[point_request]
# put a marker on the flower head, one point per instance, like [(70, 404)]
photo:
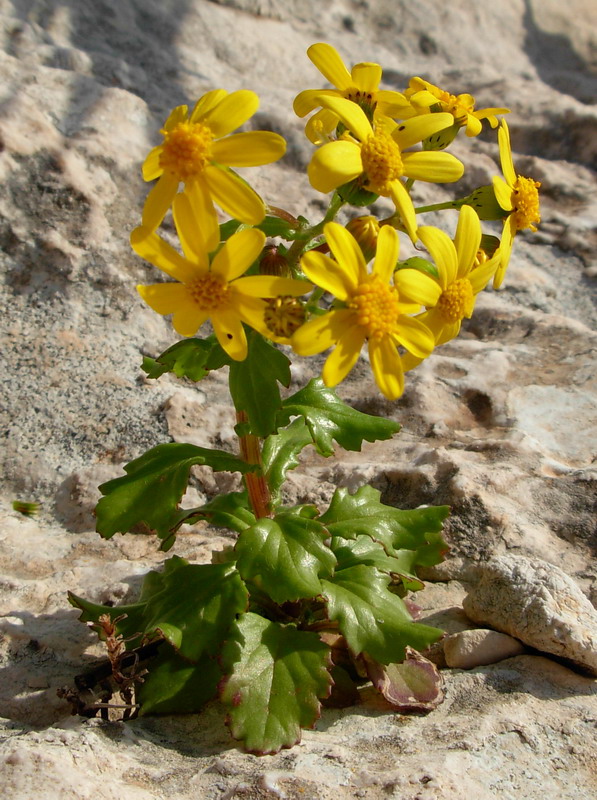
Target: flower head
[(461, 106), (360, 86), (372, 311), (516, 195), (375, 156), (198, 152), (211, 288)]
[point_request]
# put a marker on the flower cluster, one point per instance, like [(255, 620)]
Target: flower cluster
[(370, 143)]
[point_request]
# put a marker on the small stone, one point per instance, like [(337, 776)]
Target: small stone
[(469, 649), (537, 603)]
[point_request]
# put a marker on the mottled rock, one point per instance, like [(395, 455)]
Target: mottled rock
[(469, 649), (537, 603)]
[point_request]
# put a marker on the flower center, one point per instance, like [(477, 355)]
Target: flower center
[(525, 199), (186, 150), (457, 300), (210, 292), (283, 315), (382, 162), (376, 307), (365, 100)]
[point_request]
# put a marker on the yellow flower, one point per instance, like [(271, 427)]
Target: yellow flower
[(373, 311), (198, 152), (461, 106), (516, 195), (213, 290), (463, 271), (360, 85), (375, 156)]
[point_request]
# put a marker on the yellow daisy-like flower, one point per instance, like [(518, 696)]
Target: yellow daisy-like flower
[(373, 312), (360, 85), (375, 156), (198, 152), (516, 195), (461, 276), (216, 290), (460, 106)]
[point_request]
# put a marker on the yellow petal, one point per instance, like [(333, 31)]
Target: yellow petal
[(442, 251), (271, 286), (164, 298), (306, 101), (151, 165), (231, 112), (204, 213), (188, 318), (506, 154), (432, 166), (230, 334), (347, 253), (206, 103), (366, 77), (404, 205), (352, 115), (251, 149), (238, 253), (414, 336), (178, 114), (328, 274), (506, 242), (480, 276), (418, 128), (320, 125), (154, 249), (467, 239), (333, 164), (188, 229), (322, 332), (328, 62), (344, 356), (473, 125), (417, 286), (234, 195), (394, 104), (388, 249), (449, 331), (410, 362), (503, 193), (159, 201), (387, 367)]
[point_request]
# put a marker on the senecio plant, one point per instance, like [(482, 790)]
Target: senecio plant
[(309, 602)]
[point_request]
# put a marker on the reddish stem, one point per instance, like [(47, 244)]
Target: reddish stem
[(250, 448)]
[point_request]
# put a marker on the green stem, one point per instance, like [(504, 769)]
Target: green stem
[(438, 206), (297, 248)]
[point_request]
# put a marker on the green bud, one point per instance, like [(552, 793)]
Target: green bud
[(354, 194), (441, 139), (484, 201), (416, 262)]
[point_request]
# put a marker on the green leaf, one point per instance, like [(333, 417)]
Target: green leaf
[(280, 453), (371, 618), (277, 676), (132, 626), (196, 607), (228, 228), (173, 686), (190, 358), (229, 510), (285, 556), (328, 419), (275, 226), (154, 485), (254, 384), (361, 513), (416, 262), (364, 550)]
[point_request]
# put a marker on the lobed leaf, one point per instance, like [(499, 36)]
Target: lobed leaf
[(372, 619), (277, 674), (153, 486), (364, 550), (285, 556), (329, 419), (280, 453), (254, 383), (190, 358), (229, 510)]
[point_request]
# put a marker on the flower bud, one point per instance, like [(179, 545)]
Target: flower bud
[(273, 263), (484, 201), (365, 230)]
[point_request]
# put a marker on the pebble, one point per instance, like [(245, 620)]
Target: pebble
[(469, 649)]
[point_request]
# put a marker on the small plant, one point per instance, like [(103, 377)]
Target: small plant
[(310, 601)]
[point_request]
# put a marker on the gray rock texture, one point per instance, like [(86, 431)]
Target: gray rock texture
[(476, 648), (499, 424), (537, 603)]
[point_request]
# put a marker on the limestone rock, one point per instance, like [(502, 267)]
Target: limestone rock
[(537, 603), (469, 649)]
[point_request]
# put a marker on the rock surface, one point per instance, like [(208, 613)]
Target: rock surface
[(537, 603), (477, 648), (500, 424)]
